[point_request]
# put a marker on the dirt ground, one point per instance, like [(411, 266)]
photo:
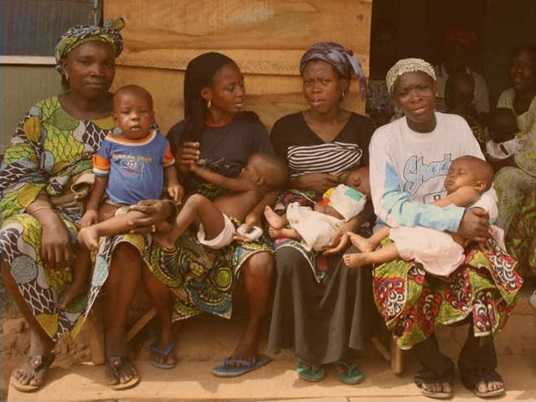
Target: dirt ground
[(16, 342), (16, 339)]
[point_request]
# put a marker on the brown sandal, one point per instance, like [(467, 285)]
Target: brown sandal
[(39, 365)]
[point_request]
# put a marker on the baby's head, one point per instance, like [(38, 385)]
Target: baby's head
[(267, 170), (459, 90), (469, 171), (358, 179), (502, 124), (133, 111)]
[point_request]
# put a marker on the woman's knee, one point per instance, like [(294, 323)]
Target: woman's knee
[(288, 260), (260, 264), (126, 257)]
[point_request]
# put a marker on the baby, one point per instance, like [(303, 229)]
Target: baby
[(440, 253), (129, 167), (316, 227), (506, 139), (263, 173)]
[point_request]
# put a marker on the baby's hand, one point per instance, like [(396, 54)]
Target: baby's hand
[(176, 192), (89, 218)]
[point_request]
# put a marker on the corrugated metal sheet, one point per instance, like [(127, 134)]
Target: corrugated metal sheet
[(21, 88), (33, 27)]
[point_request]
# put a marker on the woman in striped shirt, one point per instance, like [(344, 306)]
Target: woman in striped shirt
[(315, 292)]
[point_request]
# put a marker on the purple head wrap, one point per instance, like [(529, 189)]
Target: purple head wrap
[(343, 60)]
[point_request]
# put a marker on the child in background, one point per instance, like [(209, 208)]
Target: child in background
[(315, 227), (129, 167), (440, 253), (263, 173), (459, 95), (505, 137)]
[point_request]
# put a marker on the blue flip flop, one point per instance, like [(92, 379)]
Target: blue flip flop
[(165, 354), (236, 367)]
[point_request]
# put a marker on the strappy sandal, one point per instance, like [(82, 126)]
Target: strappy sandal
[(39, 365), (165, 354), (114, 366), (348, 373), (309, 371)]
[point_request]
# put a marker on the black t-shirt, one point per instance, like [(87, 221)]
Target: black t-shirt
[(225, 149)]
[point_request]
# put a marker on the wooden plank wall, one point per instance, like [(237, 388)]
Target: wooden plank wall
[(265, 37)]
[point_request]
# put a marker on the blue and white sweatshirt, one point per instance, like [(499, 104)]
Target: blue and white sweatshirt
[(408, 170)]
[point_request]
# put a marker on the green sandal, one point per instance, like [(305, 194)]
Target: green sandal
[(348, 373), (309, 371)]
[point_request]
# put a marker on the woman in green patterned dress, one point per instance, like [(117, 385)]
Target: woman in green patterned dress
[(51, 147)]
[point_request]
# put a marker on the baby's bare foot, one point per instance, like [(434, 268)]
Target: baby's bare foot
[(360, 242), (75, 290), (273, 219), (355, 260), (89, 237), (275, 233)]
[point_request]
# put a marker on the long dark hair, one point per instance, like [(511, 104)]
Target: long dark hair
[(199, 74)]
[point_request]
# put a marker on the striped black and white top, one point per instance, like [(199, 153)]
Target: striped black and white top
[(306, 153)]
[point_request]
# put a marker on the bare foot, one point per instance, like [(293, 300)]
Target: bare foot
[(247, 347), (164, 239), (74, 290), (441, 390), (363, 244), (89, 237), (273, 219), (489, 388), (32, 373), (275, 233), (356, 260), (163, 350)]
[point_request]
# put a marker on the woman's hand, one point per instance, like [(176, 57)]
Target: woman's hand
[(156, 212), (337, 244), (474, 225), (187, 154), (340, 240), (319, 182), (56, 250)]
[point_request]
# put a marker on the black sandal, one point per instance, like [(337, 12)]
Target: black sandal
[(39, 365), (114, 366)]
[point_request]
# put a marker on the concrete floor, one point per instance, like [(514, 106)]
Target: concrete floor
[(205, 340)]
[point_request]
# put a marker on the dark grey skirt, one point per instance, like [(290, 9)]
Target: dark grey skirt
[(322, 320)]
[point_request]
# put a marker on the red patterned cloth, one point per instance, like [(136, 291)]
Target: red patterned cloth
[(413, 302)]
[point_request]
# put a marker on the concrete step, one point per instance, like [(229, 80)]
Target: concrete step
[(204, 341)]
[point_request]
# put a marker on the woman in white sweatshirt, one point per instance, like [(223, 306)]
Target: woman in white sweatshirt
[(409, 159)]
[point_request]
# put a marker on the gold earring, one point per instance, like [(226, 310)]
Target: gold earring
[(66, 76), (209, 104)]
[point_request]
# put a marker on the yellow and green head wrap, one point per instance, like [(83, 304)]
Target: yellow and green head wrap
[(79, 34)]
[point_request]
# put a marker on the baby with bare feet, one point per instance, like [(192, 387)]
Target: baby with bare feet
[(129, 167), (263, 173), (440, 253), (316, 227)]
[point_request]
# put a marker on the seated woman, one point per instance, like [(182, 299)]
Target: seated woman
[(50, 149), (191, 279), (321, 307), (515, 184), (409, 159)]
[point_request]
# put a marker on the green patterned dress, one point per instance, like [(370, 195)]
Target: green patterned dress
[(48, 148), (202, 279)]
